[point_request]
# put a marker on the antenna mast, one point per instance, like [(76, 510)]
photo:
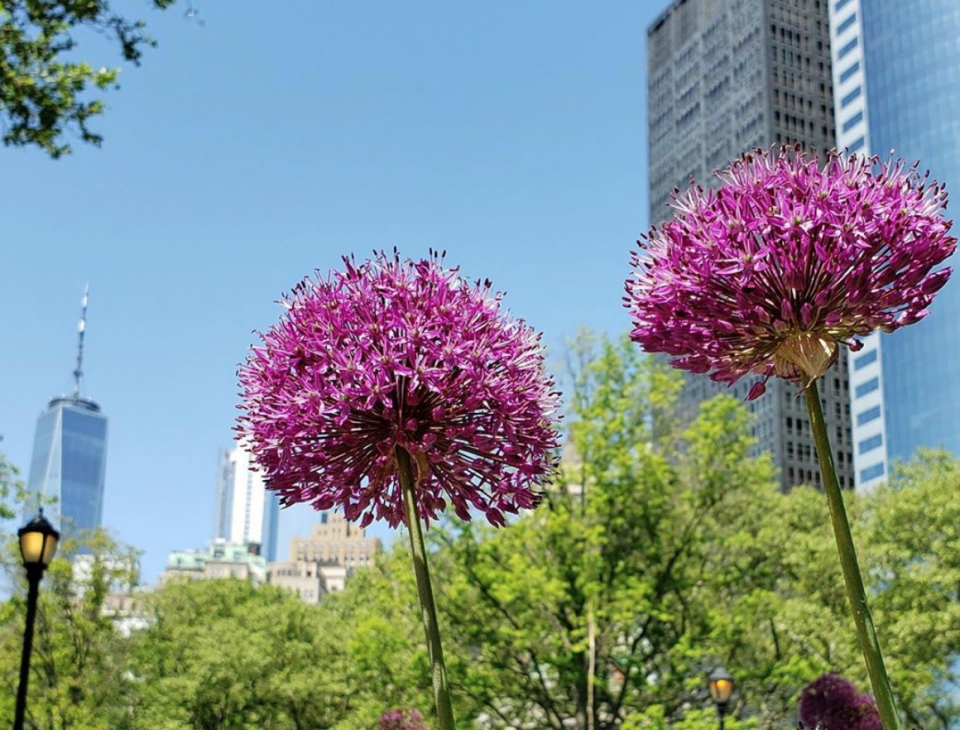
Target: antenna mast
[(81, 329)]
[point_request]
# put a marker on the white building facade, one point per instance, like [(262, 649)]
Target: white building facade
[(246, 512)]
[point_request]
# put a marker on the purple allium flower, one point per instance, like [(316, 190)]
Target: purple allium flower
[(395, 354), (786, 260), (831, 702), (400, 720)]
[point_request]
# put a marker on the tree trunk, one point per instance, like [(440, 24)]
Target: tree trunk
[(582, 692), (591, 667)]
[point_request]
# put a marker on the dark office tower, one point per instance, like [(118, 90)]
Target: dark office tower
[(725, 77), (70, 454)]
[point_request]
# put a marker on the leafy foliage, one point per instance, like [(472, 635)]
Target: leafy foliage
[(599, 604), (913, 530), (660, 551), (43, 88), (223, 655), (80, 663), (11, 488)]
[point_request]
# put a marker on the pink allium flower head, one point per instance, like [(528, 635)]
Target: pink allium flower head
[(833, 703), (400, 720), (786, 261), (394, 354)]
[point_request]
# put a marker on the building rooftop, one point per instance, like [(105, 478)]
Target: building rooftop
[(219, 551), (74, 401)]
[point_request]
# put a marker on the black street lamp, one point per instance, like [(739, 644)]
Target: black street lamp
[(721, 688), (38, 543)]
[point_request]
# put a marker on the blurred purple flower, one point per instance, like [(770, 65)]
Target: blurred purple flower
[(400, 720), (768, 274), (395, 354), (833, 703)]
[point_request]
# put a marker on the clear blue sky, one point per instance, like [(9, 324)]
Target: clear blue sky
[(267, 142)]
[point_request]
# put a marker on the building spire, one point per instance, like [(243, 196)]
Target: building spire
[(81, 330)]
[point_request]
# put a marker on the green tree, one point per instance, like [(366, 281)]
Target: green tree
[(659, 552), (790, 626), (597, 606), (913, 553), (225, 655), (79, 670), (79, 676), (44, 90), (11, 489), (387, 658), (779, 614)]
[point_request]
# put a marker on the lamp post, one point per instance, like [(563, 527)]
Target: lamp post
[(721, 688), (38, 543)]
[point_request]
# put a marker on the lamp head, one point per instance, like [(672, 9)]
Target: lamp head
[(721, 687), (38, 543)]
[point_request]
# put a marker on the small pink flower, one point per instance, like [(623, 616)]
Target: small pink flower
[(402, 720), (399, 354), (831, 702), (787, 260)]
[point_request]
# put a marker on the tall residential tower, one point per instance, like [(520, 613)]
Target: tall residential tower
[(70, 454), (246, 513), (725, 77)]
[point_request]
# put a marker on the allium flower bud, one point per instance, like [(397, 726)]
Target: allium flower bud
[(833, 703), (787, 261), (395, 354), (401, 720)]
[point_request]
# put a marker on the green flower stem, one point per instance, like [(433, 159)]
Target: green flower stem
[(441, 689), (856, 594)]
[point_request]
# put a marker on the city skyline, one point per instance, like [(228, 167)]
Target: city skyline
[(510, 136), (190, 232)]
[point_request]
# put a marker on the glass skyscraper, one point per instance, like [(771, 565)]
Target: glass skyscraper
[(896, 69), (69, 463)]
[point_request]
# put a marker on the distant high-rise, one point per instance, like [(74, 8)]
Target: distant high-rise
[(725, 77), (897, 78), (70, 455), (334, 541), (321, 563), (247, 513)]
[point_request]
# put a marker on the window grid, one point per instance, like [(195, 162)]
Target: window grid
[(845, 51), (871, 414), (868, 387), (870, 444), (847, 23), (852, 121), (866, 359), (850, 71)]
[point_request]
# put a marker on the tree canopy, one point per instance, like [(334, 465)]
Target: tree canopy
[(46, 90), (660, 551)]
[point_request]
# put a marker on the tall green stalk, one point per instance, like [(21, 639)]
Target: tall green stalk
[(431, 627), (856, 594)]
